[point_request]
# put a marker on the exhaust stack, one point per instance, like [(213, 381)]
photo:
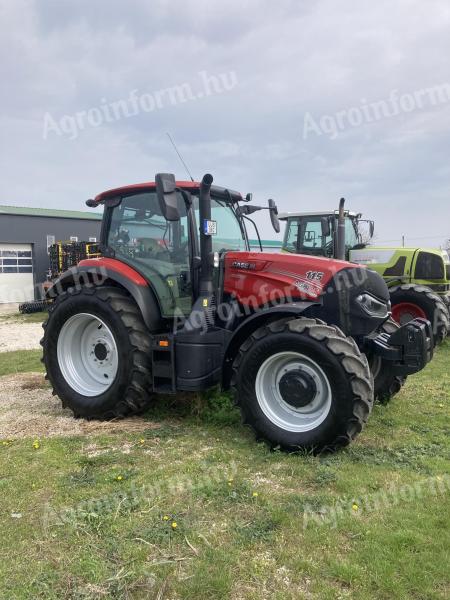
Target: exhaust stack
[(205, 238), (340, 242), (202, 316)]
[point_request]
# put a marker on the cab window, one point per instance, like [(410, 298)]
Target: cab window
[(306, 235), (159, 249), (291, 236), (351, 237)]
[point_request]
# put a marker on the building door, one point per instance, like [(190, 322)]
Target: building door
[(16, 273)]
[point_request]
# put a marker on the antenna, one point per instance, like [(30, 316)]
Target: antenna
[(179, 156)]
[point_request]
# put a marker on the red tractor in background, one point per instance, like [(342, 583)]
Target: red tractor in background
[(178, 302)]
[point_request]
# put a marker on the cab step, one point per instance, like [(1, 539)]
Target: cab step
[(163, 364)]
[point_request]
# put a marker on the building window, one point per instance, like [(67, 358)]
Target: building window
[(74, 238), (16, 261), (50, 241)]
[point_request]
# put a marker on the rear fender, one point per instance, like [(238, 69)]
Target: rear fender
[(137, 287), (254, 322)]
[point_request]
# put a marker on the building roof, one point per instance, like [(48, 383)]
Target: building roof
[(29, 211)]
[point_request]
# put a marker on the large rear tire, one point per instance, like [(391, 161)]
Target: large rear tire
[(411, 301), (301, 384), (386, 384), (97, 353)]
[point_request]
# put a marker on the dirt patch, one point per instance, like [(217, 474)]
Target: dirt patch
[(28, 409), (17, 335), (8, 309)]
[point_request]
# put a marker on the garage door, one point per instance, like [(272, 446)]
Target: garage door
[(16, 273)]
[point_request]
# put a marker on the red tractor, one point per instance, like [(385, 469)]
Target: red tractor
[(177, 302)]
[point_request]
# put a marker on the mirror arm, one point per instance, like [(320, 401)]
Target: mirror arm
[(256, 229)]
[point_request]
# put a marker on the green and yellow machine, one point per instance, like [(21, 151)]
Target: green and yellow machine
[(418, 278)]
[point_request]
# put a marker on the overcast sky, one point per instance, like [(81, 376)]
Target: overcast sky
[(292, 116)]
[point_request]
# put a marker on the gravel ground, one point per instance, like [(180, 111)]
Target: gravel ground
[(28, 409), (17, 335)]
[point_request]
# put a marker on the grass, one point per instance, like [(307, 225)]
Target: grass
[(38, 317), (20, 361), (97, 514)]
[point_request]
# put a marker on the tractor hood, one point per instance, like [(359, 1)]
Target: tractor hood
[(250, 275), (258, 279)]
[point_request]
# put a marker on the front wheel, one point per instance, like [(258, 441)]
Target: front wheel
[(301, 384), (412, 301)]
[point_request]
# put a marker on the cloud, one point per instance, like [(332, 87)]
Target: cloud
[(290, 58)]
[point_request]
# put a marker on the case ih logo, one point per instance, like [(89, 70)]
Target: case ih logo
[(243, 265)]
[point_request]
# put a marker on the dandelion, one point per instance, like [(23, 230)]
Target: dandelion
[(174, 525), (36, 444), (255, 494), (165, 518), (355, 506), (119, 477), (142, 441)]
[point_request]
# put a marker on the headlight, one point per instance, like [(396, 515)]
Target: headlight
[(372, 306)]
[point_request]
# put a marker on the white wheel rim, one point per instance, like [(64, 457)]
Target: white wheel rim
[(287, 415), (87, 354)]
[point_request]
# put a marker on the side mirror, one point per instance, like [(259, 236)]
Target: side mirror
[(372, 228), (326, 228), (274, 215), (166, 192)]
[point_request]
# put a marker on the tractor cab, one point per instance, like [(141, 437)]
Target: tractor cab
[(317, 233), (418, 278), (165, 248), (158, 234)]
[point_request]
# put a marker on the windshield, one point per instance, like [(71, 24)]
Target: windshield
[(140, 235), (351, 235), (229, 235)]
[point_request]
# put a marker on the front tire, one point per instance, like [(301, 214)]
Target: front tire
[(97, 353), (411, 301), (301, 384)]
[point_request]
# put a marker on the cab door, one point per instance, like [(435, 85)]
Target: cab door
[(140, 236)]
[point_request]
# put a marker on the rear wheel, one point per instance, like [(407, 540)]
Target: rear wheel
[(412, 301), (386, 384), (301, 384), (97, 353)]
